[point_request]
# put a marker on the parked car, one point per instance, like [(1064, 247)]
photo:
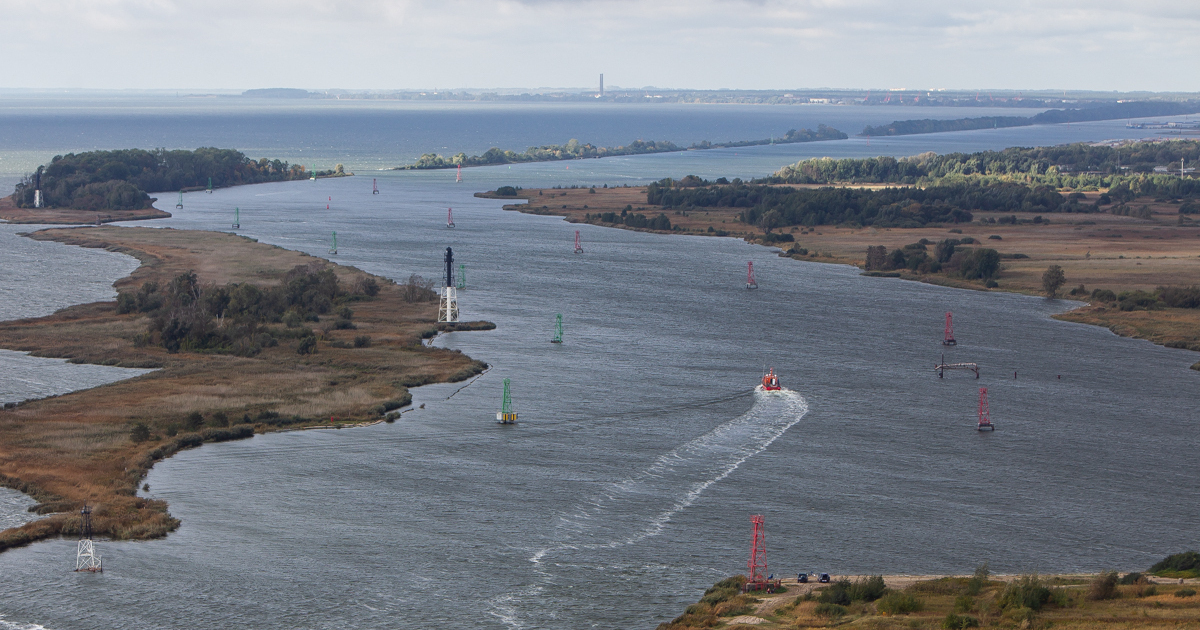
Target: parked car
[(802, 578), (824, 579)]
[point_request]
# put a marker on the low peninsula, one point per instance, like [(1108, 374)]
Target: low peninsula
[(244, 338), (573, 150), (106, 186)]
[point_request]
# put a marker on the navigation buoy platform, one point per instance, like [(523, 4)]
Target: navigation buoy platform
[(949, 338), (985, 420), (506, 415), (750, 282)]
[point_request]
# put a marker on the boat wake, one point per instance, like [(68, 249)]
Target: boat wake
[(617, 516), (641, 506)]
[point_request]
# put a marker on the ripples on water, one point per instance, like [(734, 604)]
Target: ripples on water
[(639, 455), (626, 488)]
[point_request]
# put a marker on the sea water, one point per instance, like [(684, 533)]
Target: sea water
[(642, 448), (641, 451)]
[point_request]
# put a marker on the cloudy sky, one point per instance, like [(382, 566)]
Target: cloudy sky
[(396, 44)]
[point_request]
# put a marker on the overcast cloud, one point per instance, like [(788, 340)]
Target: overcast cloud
[(378, 44)]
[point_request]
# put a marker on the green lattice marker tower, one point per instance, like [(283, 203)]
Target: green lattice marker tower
[(333, 249), (506, 415), (237, 218), (462, 277), (557, 329), (209, 185)]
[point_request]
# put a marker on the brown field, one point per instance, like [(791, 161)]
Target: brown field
[(1099, 251), (74, 449), (1151, 603), (66, 216)]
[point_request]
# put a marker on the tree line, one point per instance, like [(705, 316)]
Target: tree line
[(1114, 111), (122, 179), (574, 150), (771, 207)]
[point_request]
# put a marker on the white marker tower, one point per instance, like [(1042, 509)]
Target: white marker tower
[(448, 308), (86, 558)]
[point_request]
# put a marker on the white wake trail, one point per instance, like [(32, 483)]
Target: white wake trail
[(618, 516)]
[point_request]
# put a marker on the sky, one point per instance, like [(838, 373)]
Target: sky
[(697, 44)]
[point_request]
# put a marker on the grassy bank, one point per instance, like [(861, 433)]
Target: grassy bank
[(95, 446), (1096, 250), (1100, 601)]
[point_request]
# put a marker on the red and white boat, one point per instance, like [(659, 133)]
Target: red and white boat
[(770, 382)]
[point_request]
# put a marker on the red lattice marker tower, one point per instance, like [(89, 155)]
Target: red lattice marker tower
[(757, 566), (985, 422), (449, 217), (578, 247), (750, 283), (949, 340)]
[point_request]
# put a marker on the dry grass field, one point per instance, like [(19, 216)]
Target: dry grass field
[(77, 448), (1080, 602)]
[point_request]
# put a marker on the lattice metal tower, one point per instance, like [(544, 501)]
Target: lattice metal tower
[(578, 246), (449, 217), (86, 558), (209, 191), (237, 219), (757, 565), (374, 187), (750, 282), (985, 420), (462, 277), (949, 340), (557, 328), (333, 246), (179, 206), (506, 414)]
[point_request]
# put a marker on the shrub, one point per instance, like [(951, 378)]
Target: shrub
[(1026, 591), (1147, 591), (1132, 578), (344, 324), (830, 610), (194, 421), (1135, 300), (995, 237), (362, 341), (1188, 561), (898, 604), (308, 345), (978, 580), (1180, 297), (506, 191), (345, 313), (868, 589), (219, 419), (1185, 592), (1104, 295), (964, 604), (140, 432), (1104, 586), (836, 593), (955, 622)]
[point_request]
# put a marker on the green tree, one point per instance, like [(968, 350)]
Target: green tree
[(140, 432), (1053, 280)]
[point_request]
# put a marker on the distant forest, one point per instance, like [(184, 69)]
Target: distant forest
[(573, 150), (1113, 111), (1079, 165), (121, 180), (772, 207)]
